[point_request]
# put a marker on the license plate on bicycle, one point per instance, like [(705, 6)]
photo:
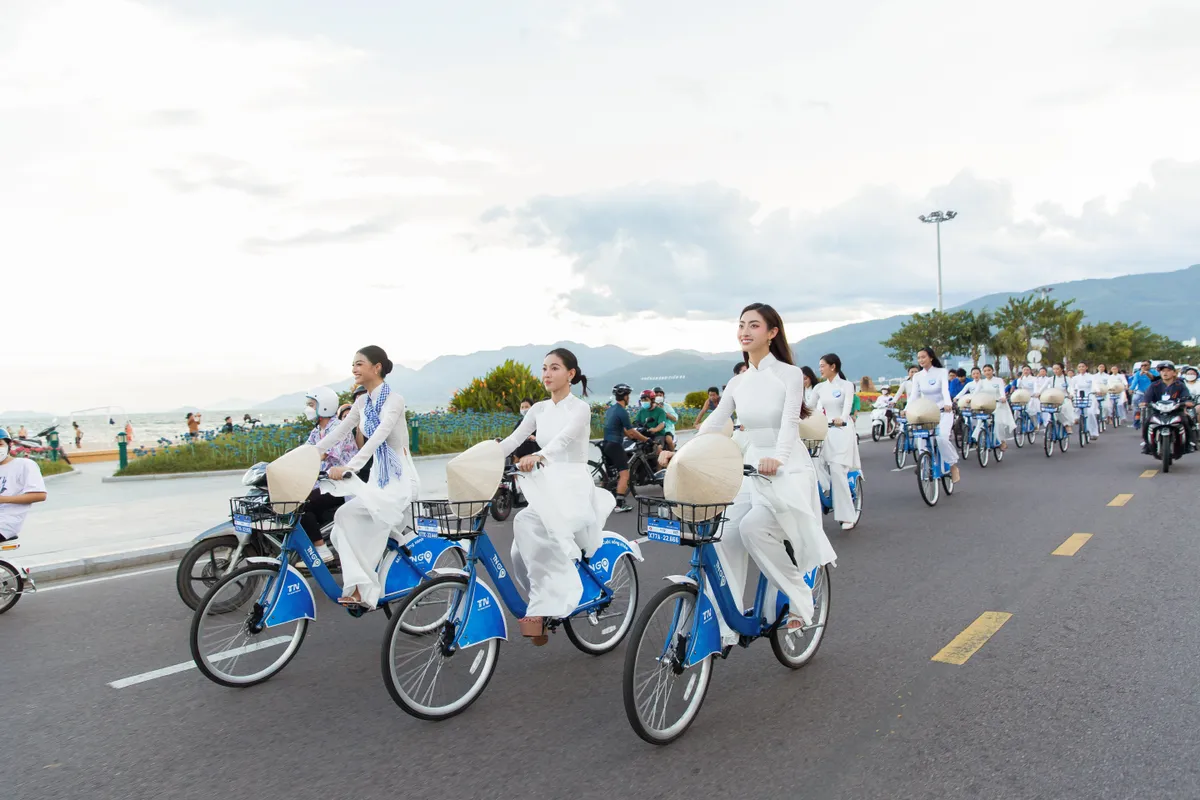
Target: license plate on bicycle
[(427, 526), (663, 530), (241, 523)]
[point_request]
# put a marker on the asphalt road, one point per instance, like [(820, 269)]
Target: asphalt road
[(1088, 691)]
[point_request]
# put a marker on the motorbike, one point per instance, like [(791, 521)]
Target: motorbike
[(1167, 435), (643, 464), (221, 549), (508, 496), (883, 423)]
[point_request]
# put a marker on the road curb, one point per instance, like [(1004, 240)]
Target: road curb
[(170, 476), (60, 475), (76, 567)]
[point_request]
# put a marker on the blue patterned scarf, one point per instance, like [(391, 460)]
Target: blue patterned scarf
[(385, 458)]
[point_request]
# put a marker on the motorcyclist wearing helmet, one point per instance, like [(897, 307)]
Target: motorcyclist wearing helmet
[(651, 416), (321, 407), (1174, 390), (617, 426), (21, 486), (660, 400)]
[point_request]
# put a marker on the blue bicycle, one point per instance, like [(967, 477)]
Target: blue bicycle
[(1083, 404), (931, 469), (905, 443), (854, 477), (253, 621), (442, 645), (669, 662), (1026, 428), (983, 436), (1055, 431)]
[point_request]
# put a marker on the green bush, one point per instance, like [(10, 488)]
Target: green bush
[(49, 467), (502, 389), (695, 400)]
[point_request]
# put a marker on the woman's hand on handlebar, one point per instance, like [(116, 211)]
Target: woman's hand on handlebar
[(769, 466), (338, 473), (527, 463), (665, 457)]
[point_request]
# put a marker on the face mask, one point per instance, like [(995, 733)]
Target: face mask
[(3, 451), (645, 404), (524, 411), (660, 400), (1190, 379), (311, 413)]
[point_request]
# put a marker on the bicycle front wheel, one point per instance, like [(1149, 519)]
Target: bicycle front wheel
[(901, 451), (229, 643), (662, 697), (11, 586), (926, 481), (425, 673), (601, 630)]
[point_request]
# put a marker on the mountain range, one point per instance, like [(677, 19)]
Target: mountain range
[(1163, 301)]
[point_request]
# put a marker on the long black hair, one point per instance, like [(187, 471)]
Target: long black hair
[(572, 364), (833, 360), (376, 355), (812, 376), (779, 345), (933, 359)]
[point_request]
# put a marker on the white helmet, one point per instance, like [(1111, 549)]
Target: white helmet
[(327, 401)]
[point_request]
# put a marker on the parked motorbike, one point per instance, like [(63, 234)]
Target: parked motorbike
[(220, 549), (1167, 432), (508, 496)]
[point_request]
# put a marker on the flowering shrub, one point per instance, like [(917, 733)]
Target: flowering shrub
[(502, 389), (219, 451)]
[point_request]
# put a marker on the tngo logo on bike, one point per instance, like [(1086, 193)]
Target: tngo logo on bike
[(720, 574), (600, 566), (426, 556), (500, 571)]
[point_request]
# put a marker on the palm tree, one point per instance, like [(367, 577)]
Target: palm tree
[(1066, 336)]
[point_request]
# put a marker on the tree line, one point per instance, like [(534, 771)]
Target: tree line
[(1011, 331)]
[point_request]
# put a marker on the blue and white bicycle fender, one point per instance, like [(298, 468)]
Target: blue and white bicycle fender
[(224, 529), (604, 560), (401, 577), (484, 620), (810, 578), (293, 599), (707, 638)]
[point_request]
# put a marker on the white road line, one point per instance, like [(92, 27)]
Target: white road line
[(642, 540), (186, 665), (905, 467), (73, 584)]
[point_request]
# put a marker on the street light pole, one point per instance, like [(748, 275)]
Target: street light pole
[(937, 218)]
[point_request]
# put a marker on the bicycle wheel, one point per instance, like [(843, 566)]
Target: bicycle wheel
[(856, 491), (901, 451), (926, 483), (794, 649), (229, 644), (598, 474), (502, 504), (450, 558), (1048, 441), (1019, 436), (424, 674), (11, 586), (1030, 434), (1064, 439), (998, 454), (981, 452), (948, 485), (599, 631), (662, 697), (1083, 432)]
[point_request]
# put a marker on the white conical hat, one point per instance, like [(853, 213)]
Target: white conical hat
[(1020, 397), (474, 475), (814, 428), (1053, 397), (922, 411), (727, 430), (291, 477), (707, 470), (1115, 389), (983, 401)]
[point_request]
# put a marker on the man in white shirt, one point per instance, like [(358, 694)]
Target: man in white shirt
[(21, 486)]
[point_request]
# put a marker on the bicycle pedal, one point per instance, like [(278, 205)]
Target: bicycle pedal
[(726, 650)]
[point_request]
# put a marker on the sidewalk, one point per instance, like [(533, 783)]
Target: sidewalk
[(87, 526)]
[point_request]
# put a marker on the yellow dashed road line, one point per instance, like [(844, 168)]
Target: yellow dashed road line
[(1071, 546), (975, 636), (1150, 473), (1121, 500)]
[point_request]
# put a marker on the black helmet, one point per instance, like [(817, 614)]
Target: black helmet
[(622, 390)]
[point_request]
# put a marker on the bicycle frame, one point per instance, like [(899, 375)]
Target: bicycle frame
[(1054, 429), (26, 578), (291, 599), (929, 438)]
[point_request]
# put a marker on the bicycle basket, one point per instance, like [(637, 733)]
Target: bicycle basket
[(257, 513), (814, 447), (666, 521), (450, 520), (923, 426)]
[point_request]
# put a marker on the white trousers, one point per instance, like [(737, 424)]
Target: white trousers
[(837, 476), (945, 427), (360, 540), (544, 568)]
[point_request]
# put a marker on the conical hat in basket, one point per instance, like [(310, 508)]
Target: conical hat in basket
[(474, 475), (1020, 397), (707, 471), (983, 401), (922, 411), (291, 477), (814, 428), (727, 430), (1115, 389), (1053, 397)]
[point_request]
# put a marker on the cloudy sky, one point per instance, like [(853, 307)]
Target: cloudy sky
[(204, 199)]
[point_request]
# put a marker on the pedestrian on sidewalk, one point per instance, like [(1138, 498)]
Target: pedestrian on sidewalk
[(78, 435), (21, 486)]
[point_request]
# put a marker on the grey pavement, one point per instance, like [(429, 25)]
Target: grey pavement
[(1088, 691)]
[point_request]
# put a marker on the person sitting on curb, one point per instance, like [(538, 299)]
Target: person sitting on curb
[(21, 486)]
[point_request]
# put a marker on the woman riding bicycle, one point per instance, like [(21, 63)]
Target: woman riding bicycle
[(840, 453), (768, 517), (321, 407), (566, 511), (933, 383), (382, 504)]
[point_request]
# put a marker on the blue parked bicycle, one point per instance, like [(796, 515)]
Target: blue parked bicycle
[(1055, 431), (1026, 429), (931, 469), (669, 662), (253, 621), (442, 645)]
